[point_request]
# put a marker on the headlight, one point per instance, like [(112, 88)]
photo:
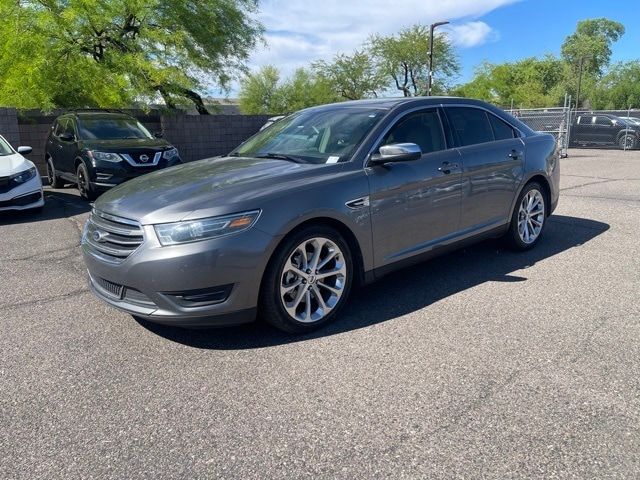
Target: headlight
[(206, 228), (170, 154), (104, 156), (25, 176)]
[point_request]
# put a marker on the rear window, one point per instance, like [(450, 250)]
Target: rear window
[(470, 125), (115, 128), (501, 130)]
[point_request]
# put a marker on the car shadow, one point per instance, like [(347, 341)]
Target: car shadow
[(57, 204), (406, 290)]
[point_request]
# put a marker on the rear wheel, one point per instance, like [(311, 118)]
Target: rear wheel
[(307, 281), (627, 142), (84, 184), (52, 176), (528, 218)]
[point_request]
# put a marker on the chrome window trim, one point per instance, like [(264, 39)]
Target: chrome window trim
[(400, 116)]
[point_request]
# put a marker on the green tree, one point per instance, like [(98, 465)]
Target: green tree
[(352, 76), (109, 53), (531, 82), (404, 59), (591, 44), (264, 92), (619, 88)]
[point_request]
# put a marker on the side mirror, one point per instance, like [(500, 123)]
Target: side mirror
[(396, 152), (25, 150), (67, 137), (158, 134)]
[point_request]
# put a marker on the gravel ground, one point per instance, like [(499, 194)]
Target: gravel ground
[(480, 364)]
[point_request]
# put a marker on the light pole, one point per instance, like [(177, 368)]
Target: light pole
[(431, 29)]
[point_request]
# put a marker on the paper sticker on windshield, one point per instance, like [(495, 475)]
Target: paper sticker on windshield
[(333, 159)]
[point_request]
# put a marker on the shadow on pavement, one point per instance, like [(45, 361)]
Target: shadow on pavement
[(57, 204), (407, 290)]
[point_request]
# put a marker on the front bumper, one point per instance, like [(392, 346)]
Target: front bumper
[(210, 283), (105, 175), (23, 197)]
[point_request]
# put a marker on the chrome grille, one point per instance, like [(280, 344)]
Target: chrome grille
[(110, 237)]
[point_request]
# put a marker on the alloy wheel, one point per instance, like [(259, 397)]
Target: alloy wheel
[(82, 182), (313, 280), (531, 216)]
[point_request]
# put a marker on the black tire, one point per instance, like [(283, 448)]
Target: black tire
[(84, 184), (627, 142), (52, 176), (513, 236), (271, 304)]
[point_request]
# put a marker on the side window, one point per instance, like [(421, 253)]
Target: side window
[(58, 127), (67, 127), (501, 129), (471, 125), (600, 120), (421, 128)]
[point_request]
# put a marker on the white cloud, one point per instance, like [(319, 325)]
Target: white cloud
[(299, 31), (472, 34)]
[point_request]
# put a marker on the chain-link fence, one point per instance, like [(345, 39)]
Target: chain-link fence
[(584, 128), (555, 120)]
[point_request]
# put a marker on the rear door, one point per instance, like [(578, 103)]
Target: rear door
[(415, 205), (493, 158)]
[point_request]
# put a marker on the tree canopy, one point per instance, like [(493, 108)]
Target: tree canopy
[(264, 92), (403, 58), (73, 53)]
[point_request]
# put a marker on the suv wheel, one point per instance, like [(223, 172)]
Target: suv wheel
[(627, 142), (528, 218), (52, 177), (84, 185), (307, 281)]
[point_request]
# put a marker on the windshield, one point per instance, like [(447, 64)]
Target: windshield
[(114, 128), (5, 148), (314, 136)]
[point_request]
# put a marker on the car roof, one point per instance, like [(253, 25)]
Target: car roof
[(95, 114), (390, 102)]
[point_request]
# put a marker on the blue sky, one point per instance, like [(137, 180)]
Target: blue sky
[(535, 27), (299, 31)]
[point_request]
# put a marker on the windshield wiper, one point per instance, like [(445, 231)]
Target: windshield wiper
[(280, 156)]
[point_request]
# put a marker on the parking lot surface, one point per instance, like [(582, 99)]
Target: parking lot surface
[(480, 364)]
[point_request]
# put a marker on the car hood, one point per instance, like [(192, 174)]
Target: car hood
[(126, 144), (12, 164), (204, 188)]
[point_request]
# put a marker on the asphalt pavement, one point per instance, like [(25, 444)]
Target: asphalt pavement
[(480, 364)]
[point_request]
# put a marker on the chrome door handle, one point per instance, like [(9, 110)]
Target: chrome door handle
[(514, 154)]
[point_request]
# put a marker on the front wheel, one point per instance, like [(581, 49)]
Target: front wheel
[(528, 218), (627, 142), (308, 280), (84, 184)]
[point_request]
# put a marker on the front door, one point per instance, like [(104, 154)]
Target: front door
[(415, 205)]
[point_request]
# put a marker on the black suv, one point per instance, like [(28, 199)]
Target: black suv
[(98, 150), (604, 129)]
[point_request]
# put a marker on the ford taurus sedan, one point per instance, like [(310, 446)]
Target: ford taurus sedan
[(330, 197)]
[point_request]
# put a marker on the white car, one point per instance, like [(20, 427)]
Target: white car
[(20, 183)]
